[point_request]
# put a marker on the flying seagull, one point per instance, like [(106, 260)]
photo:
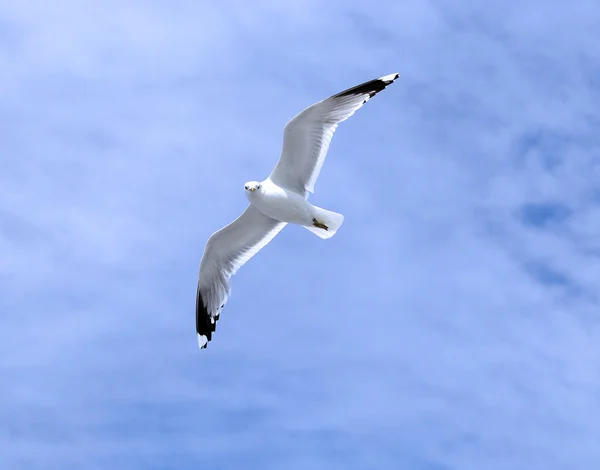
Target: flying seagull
[(279, 200)]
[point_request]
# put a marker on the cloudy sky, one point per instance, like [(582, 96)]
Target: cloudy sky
[(453, 321)]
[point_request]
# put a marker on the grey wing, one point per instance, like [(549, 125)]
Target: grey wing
[(307, 136), (226, 251)]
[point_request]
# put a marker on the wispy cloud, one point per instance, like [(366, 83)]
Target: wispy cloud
[(451, 323)]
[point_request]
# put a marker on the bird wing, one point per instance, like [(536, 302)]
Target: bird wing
[(226, 251), (307, 136)]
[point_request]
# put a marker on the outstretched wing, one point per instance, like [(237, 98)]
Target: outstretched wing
[(226, 251), (307, 136)]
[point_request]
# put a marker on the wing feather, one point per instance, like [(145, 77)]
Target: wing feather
[(226, 251), (307, 136)]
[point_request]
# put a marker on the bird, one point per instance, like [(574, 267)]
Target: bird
[(280, 199)]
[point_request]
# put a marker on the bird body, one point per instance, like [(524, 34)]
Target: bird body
[(280, 203), (280, 199)]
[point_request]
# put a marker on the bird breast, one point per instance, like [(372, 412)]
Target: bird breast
[(281, 204)]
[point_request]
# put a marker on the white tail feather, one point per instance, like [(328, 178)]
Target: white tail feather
[(332, 220)]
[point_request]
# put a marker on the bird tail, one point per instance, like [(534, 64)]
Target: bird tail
[(325, 223)]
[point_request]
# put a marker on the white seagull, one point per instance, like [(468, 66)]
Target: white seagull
[(280, 199)]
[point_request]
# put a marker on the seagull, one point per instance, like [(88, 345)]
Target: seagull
[(279, 200)]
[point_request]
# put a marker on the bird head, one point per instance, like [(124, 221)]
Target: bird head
[(252, 186)]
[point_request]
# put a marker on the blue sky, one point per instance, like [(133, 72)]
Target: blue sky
[(452, 323)]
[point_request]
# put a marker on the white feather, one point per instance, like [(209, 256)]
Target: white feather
[(307, 136), (227, 250)]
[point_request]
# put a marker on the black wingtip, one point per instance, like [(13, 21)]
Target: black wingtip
[(205, 324), (371, 88)]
